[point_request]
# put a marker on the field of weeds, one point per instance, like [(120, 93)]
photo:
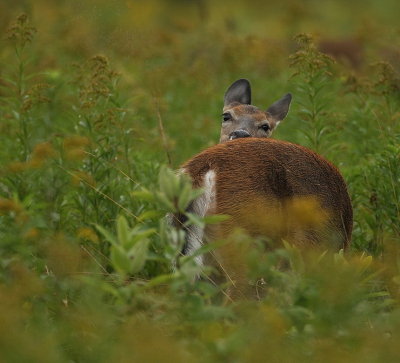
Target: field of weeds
[(99, 98)]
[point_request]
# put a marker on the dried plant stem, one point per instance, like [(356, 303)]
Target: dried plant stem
[(162, 132)]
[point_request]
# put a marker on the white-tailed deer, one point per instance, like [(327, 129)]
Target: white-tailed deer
[(241, 119), (269, 188)]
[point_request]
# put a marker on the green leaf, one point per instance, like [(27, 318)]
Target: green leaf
[(165, 202), (295, 258), (195, 219), (143, 194), (216, 218), (161, 279), (138, 234), (107, 235), (150, 214), (208, 247), (167, 181), (120, 260), (139, 254), (184, 198), (122, 231)]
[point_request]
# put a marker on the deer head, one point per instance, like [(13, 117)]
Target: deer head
[(241, 119)]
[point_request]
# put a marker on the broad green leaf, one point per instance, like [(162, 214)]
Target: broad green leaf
[(107, 235), (167, 182), (150, 214), (122, 231), (143, 194), (120, 260), (184, 198), (139, 254), (137, 235), (165, 202)]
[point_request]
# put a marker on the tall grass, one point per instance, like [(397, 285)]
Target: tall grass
[(96, 99)]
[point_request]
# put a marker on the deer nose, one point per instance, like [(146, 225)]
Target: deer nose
[(238, 134)]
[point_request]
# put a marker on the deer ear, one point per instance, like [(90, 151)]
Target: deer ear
[(239, 91), (280, 108)]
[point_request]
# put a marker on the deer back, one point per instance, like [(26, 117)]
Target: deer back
[(272, 188)]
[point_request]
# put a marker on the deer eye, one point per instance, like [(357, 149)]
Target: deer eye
[(226, 117), (265, 127)]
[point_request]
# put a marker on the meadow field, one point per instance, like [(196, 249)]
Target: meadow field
[(99, 100)]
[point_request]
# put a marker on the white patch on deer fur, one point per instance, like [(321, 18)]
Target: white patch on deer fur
[(201, 206)]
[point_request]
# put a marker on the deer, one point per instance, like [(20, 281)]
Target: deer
[(268, 188)]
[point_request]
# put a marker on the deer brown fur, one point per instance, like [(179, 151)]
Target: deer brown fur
[(269, 188)]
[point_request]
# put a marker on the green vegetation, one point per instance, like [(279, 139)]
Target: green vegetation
[(96, 97)]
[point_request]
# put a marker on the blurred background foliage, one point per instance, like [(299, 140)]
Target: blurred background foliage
[(96, 96)]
